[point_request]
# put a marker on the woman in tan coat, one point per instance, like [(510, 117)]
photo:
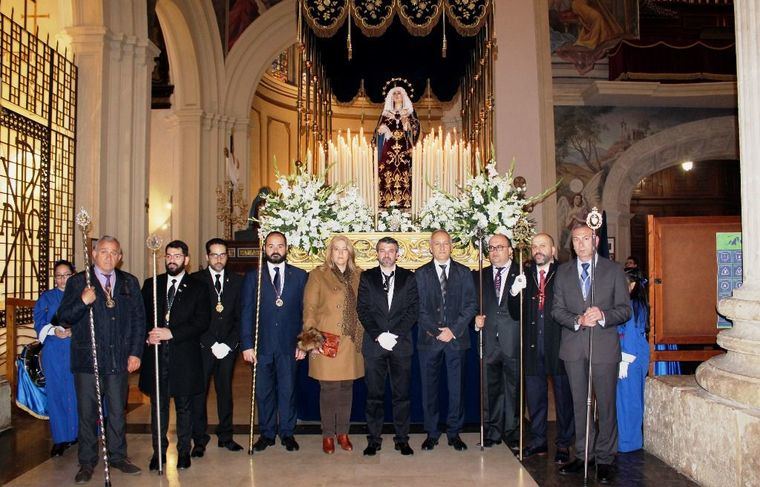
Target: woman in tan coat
[(330, 307)]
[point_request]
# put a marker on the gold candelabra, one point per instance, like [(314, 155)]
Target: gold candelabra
[(231, 209)]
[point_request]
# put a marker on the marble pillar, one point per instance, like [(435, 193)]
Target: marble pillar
[(736, 375), (710, 430), (115, 59)]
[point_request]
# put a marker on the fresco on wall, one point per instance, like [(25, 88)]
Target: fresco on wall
[(588, 142), (584, 31), (234, 16)]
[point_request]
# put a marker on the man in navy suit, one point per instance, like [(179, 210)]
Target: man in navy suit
[(276, 356), (447, 305), (501, 344), (218, 347), (387, 308), (183, 311)]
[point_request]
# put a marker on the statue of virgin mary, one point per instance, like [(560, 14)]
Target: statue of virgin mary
[(395, 135)]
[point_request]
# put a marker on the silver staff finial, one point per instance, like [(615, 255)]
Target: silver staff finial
[(83, 219), (153, 242), (594, 219)]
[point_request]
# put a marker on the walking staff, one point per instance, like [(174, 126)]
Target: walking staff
[(255, 349), (83, 220), (154, 243)]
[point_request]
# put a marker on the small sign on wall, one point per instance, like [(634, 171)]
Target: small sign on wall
[(728, 247)]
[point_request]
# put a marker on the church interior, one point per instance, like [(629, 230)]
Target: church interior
[(178, 118)]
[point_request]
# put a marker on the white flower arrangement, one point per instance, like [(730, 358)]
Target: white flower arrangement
[(441, 211), (307, 211), (395, 220)]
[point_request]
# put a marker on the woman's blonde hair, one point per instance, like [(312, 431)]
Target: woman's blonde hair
[(329, 264)]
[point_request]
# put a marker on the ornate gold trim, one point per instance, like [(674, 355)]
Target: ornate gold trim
[(414, 249)]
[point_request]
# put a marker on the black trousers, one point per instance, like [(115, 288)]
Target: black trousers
[(502, 382), (431, 363), (537, 396), (113, 388), (182, 408), (376, 370), (221, 371)]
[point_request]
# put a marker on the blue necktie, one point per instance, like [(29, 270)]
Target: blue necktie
[(585, 280)]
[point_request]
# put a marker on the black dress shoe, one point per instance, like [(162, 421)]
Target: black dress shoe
[(84, 474), (231, 445), (562, 455), (154, 462), (605, 474), (535, 450), (289, 443), (57, 450), (262, 443), (183, 462), (127, 467), (457, 443), (198, 451), (372, 449), (576, 466), (404, 448), (429, 443), (514, 446)]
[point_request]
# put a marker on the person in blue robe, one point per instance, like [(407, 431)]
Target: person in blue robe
[(56, 362), (633, 367)]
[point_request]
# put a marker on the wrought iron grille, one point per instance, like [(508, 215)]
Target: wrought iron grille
[(37, 148)]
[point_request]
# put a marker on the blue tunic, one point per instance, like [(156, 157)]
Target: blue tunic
[(630, 391), (56, 364)]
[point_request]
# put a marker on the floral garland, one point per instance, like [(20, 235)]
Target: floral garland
[(307, 211)]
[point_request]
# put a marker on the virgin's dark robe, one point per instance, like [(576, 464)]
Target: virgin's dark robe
[(395, 160)]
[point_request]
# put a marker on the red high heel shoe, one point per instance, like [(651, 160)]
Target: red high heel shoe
[(345, 443), (328, 445)]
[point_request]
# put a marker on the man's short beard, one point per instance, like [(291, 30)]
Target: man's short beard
[(275, 260), (175, 272)]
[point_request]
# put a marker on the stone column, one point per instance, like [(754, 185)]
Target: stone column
[(524, 117), (115, 60), (736, 375)]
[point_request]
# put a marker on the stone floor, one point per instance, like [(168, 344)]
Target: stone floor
[(24, 459)]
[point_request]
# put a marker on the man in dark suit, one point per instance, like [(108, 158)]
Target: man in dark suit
[(119, 319), (582, 316), (183, 310), (218, 347), (501, 345), (541, 353), (387, 308), (447, 305), (276, 355)]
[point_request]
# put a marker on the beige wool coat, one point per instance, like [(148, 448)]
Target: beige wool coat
[(323, 304)]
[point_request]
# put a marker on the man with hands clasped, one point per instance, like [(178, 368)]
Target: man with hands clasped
[(387, 309), (501, 343), (218, 347), (447, 306), (578, 315)]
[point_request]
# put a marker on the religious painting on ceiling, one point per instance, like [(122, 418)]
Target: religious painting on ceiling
[(590, 140), (234, 16), (584, 31)]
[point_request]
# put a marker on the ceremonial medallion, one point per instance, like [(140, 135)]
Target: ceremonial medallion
[(219, 307), (279, 302), (110, 303), (167, 317)]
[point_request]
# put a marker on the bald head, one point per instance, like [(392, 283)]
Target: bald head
[(440, 245)]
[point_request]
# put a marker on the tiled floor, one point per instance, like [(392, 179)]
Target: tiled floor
[(24, 459)]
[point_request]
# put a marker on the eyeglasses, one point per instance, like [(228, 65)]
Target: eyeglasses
[(499, 248), (63, 276), (174, 256), (217, 256)]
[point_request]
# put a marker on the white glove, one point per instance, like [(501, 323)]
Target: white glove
[(387, 340), (220, 350), (519, 284), (628, 358), (623, 370)]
